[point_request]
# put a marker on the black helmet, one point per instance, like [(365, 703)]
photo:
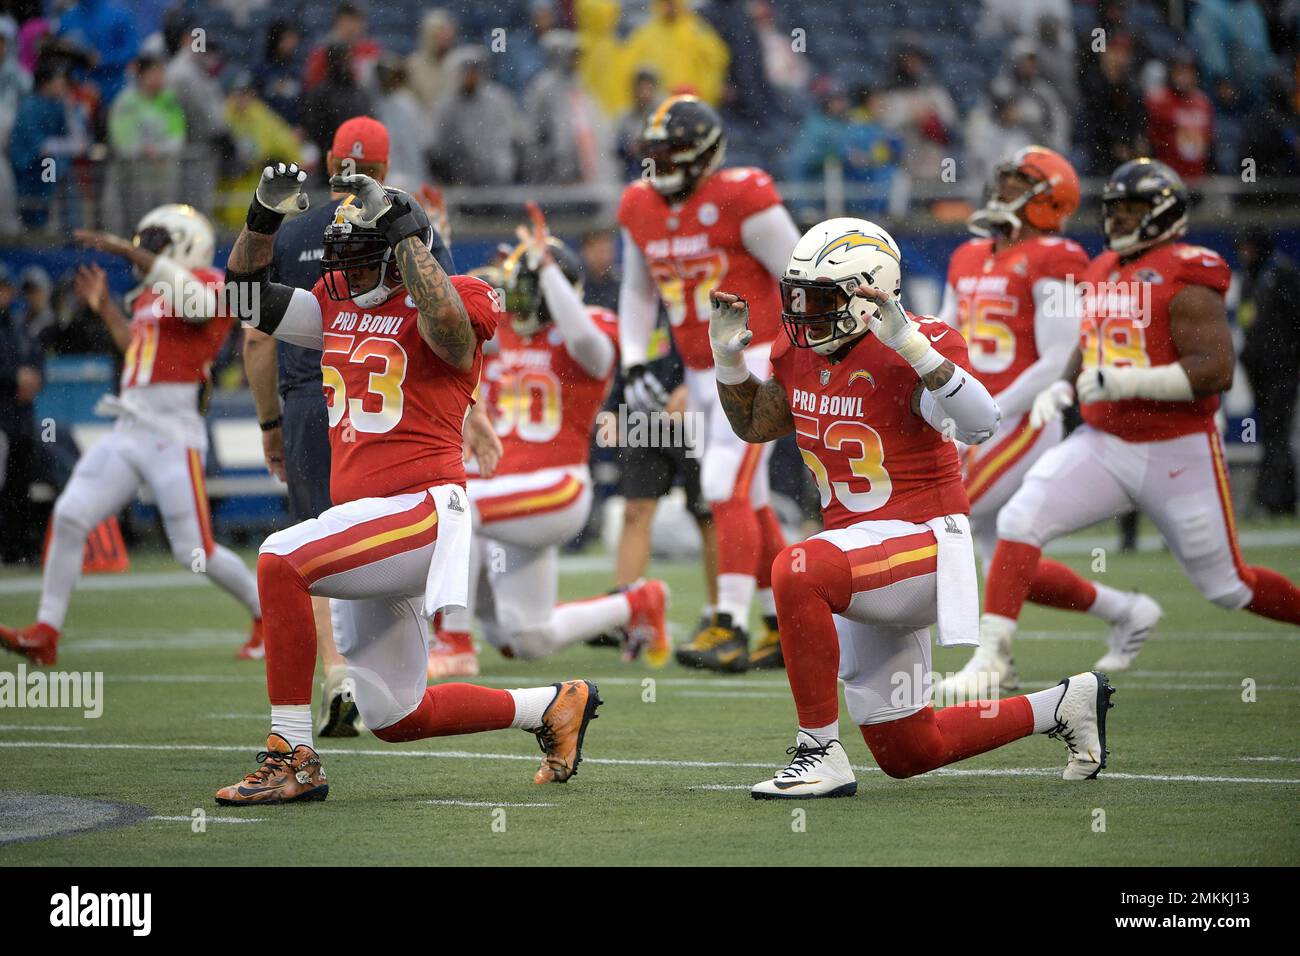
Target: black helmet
[(351, 247), (523, 289), (1152, 182), (684, 142)]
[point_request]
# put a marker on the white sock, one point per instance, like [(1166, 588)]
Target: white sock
[(456, 620), (708, 610), (996, 632), (530, 704), (1110, 604), (293, 723), (1044, 703), (766, 602), (735, 594), (228, 572), (62, 569), (580, 620), (824, 735)]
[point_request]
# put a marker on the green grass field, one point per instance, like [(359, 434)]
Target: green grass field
[(1196, 775)]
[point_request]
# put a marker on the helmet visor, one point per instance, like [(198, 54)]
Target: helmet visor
[(352, 269), (814, 313)]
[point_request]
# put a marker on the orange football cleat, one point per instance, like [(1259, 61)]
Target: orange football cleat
[(285, 776), (648, 627), (38, 642), (253, 649), (564, 724), (452, 654)]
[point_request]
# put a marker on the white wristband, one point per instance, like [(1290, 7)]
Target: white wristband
[(1164, 383), (730, 369)]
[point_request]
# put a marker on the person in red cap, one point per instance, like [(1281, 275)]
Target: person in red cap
[(287, 389)]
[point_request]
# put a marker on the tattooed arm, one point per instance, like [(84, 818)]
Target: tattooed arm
[(444, 323), (758, 411)]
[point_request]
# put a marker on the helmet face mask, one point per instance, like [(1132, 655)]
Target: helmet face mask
[(358, 264), (1036, 186), (1144, 182), (179, 232), (524, 301), (683, 143), (818, 309)]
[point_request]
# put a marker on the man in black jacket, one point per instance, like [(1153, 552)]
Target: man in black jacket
[(1271, 358)]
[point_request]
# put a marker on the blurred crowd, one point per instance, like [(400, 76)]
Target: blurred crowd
[(137, 103)]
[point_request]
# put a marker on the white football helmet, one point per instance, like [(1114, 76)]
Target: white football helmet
[(818, 309), (179, 232)]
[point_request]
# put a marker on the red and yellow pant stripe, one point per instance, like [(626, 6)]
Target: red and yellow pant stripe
[(368, 542), (984, 466), (1225, 502), (894, 560), (199, 493), (533, 501)]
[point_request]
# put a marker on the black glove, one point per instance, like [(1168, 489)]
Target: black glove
[(642, 392)]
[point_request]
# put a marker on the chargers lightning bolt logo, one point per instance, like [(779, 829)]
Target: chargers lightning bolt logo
[(853, 240)]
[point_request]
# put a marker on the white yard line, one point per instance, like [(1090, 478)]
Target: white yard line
[(626, 762), (484, 804), (208, 819), (28, 728)]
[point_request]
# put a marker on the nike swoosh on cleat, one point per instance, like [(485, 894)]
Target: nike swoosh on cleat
[(728, 656), (784, 785), (254, 791)]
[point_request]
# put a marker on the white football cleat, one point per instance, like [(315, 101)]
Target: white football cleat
[(990, 672), (814, 771), (1128, 634), (1081, 723)]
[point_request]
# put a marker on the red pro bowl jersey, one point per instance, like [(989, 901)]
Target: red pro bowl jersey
[(696, 247), (166, 348), (995, 300), (872, 457), (396, 410), (542, 401), (1125, 321)]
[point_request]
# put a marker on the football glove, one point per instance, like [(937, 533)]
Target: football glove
[(1050, 402), (896, 331), (279, 192), (729, 334), (371, 200), (642, 392)]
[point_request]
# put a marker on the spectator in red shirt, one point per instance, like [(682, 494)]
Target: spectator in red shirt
[(347, 29), (1180, 120)]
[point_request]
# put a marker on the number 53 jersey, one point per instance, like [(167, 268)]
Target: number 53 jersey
[(872, 457), (396, 410)]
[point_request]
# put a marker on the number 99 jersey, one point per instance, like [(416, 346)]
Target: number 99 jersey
[(872, 457), (696, 247), (396, 410), (995, 292), (542, 402)]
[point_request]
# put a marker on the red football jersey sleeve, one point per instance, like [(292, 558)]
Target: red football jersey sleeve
[(543, 402), (1126, 322), (871, 456), (396, 410), (165, 347)]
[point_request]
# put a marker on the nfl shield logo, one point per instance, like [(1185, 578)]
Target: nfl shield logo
[(826, 376)]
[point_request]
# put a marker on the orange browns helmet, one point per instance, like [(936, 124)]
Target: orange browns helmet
[(1052, 197)]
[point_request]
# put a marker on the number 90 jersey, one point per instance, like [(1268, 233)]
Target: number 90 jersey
[(696, 247), (543, 403), (995, 300), (1125, 321), (873, 458), (396, 410)]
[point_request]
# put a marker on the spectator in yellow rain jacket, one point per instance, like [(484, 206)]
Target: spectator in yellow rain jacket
[(683, 48), (259, 134)]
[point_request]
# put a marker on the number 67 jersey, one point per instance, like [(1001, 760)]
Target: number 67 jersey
[(396, 410), (872, 457)]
